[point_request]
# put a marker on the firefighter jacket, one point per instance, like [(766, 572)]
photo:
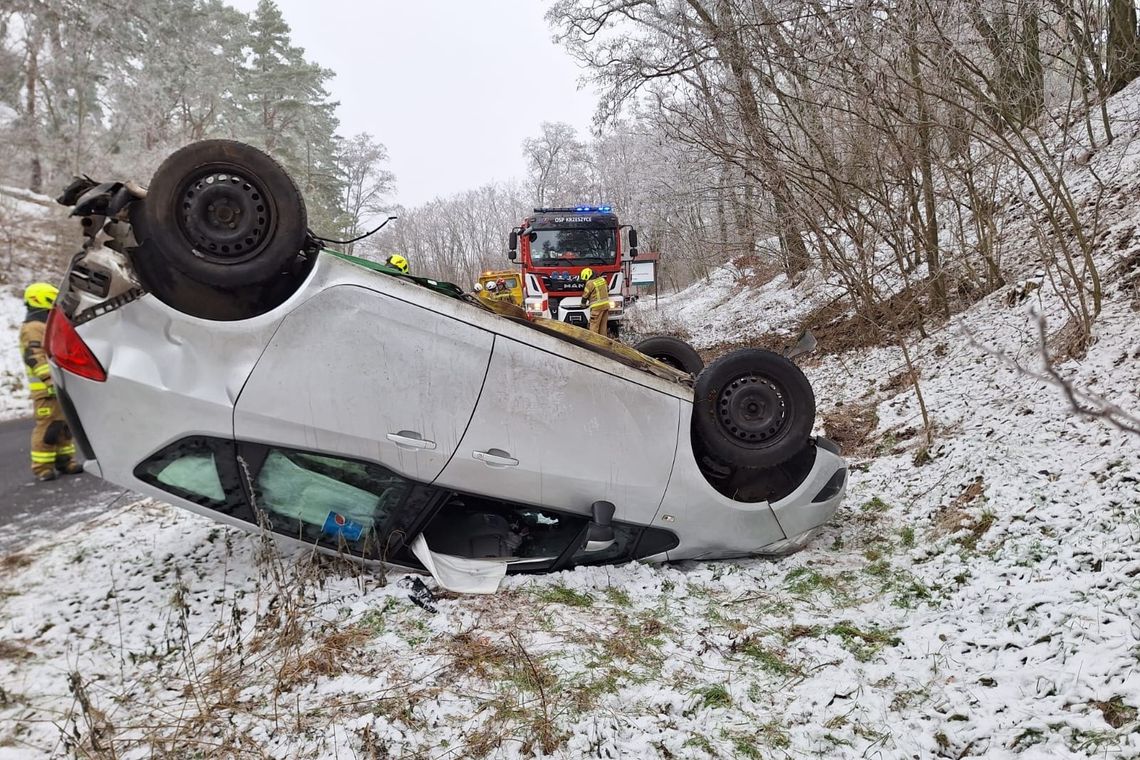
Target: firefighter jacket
[(35, 358), (596, 294)]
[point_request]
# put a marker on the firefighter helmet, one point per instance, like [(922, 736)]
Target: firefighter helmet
[(396, 261), (41, 295), (587, 273)]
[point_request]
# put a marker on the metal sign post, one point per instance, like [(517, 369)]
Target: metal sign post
[(644, 273)]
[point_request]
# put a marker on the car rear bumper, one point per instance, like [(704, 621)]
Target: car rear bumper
[(73, 422)]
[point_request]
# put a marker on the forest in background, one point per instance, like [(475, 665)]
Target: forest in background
[(887, 144), (110, 89), (871, 140)]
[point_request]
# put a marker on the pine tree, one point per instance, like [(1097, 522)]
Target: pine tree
[(288, 113)]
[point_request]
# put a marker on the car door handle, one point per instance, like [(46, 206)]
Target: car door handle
[(411, 440), (495, 458)]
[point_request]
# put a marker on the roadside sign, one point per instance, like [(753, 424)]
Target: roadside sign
[(642, 273)]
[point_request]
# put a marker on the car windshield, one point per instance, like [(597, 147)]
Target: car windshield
[(579, 247)]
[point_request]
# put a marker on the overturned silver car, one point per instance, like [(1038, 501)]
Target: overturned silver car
[(210, 352)]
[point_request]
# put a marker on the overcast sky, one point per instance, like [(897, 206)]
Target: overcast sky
[(451, 87)]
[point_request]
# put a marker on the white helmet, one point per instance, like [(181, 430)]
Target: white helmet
[(491, 285), (478, 287)]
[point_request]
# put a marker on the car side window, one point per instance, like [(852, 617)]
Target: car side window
[(199, 469), (336, 502)]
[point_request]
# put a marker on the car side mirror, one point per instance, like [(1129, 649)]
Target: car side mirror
[(600, 535), (512, 245), (806, 344), (633, 244)]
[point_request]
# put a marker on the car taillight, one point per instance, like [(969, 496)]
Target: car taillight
[(68, 350)]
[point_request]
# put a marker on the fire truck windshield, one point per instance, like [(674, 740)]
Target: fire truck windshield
[(573, 248)]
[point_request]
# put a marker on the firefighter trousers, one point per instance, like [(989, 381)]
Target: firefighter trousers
[(599, 321), (53, 448)]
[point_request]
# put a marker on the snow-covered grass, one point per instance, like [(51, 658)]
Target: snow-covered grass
[(982, 604)]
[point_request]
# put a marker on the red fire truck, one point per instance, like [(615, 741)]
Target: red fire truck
[(556, 244)]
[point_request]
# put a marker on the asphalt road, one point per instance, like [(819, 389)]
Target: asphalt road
[(31, 510)]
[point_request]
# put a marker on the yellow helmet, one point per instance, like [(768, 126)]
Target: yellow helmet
[(587, 273), (396, 261), (41, 295)]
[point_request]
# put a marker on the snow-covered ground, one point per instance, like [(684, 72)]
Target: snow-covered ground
[(983, 604), (13, 391), (720, 310), (976, 599)]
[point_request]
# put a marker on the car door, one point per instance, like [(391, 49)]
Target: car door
[(362, 374), (554, 431)]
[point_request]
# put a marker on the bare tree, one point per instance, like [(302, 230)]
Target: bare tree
[(557, 162), (366, 181)]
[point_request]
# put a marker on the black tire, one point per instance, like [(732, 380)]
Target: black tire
[(753, 408), (210, 302), (223, 214), (672, 351)]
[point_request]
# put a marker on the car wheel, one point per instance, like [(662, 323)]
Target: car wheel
[(672, 351), (223, 214), (753, 408)]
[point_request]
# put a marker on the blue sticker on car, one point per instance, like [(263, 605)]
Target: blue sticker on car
[(339, 525)]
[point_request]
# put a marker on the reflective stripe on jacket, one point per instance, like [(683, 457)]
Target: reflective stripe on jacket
[(35, 359), (596, 294)]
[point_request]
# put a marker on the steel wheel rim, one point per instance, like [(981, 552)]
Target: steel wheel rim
[(225, 215), (752, 410)]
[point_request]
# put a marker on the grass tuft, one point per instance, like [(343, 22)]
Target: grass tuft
[(875, 505), (864, 643), (1116, 713), (766, 658), (567, 596), (715, 695)]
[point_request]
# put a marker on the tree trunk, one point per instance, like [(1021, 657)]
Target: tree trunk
[(930, 221), (36, 181), (1018, 79), (759, 143), (1032, 81), (1122, 47), (721, 219)]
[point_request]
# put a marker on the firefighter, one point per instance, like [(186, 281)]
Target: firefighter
[(53, 449), (596, 296), (492, 291), (398, 262), (502, 292)]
